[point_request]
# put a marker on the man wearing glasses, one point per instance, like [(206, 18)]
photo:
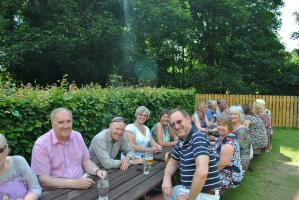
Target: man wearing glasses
[(106, 145), (60, 155), (192, 154)]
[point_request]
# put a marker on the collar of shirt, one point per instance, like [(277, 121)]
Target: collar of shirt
[(55, 140), (192, 131)]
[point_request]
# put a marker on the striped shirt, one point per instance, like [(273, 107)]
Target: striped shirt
[(186, 151)]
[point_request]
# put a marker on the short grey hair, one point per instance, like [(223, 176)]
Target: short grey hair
[(3, 140), (221, 101), (238, 109), (142, 109), (211, 103), (118, 119), (181, 110), (57, 110)]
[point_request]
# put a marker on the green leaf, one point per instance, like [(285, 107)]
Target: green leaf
[(15, 113)]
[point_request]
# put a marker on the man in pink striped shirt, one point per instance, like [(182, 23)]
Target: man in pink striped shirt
[(60, 155)]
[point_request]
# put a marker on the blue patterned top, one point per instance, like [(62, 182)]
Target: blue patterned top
[(231, 175)]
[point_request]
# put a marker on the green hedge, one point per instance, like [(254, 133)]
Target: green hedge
[(25, 112)]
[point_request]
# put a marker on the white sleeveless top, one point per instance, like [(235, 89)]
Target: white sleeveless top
[(140, 139)]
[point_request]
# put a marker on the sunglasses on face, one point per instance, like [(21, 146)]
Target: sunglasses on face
[(118, 119), (178, 122), (3, 149)]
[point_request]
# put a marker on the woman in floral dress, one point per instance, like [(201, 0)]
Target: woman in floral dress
[(227, 152), (242, 134)]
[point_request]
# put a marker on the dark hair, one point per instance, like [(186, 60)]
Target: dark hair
[(247, 109), (164, 111), (181, 110)]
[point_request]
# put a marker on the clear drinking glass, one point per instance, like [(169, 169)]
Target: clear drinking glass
[(146, 167), (148, 161), (103, 188), (149, 157)]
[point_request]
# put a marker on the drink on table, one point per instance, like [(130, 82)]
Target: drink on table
[(146, 167), (148, 161), (149, 157), (103, 188)]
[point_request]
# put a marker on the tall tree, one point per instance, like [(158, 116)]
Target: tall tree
[(43, 40)]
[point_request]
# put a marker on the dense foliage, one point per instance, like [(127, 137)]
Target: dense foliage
[(213, 45), (25, 112)]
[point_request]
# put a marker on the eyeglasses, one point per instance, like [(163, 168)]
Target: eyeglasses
[(118, 119), (3, 149), (178, 122)]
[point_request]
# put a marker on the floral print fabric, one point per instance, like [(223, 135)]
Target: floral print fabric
[(243, 137), (232, 175)]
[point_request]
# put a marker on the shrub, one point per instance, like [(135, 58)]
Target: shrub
[(24, 112)]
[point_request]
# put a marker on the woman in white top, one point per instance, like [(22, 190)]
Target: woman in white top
[(200, 119), (139, 135)]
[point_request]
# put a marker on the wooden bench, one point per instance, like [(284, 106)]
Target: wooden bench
[(123, 185)]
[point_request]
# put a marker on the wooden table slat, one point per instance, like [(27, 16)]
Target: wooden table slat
[(121, 183), (114, 183), (88, 194), (139, 191), (132, 184), (53, 194)]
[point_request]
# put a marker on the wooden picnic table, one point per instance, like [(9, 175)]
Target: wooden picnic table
[(123, 185), (161, 156)]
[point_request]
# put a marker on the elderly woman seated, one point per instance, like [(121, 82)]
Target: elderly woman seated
[(227, 153), (162, 131), (257, 130), (16, 178), (264, 114), (139, 135), (242, 134)]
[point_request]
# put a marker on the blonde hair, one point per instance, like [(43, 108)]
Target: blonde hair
[(261, 101), (258, 107), (201, 106)]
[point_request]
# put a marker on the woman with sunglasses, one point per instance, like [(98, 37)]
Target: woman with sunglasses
[(16, 178), (139, 135)]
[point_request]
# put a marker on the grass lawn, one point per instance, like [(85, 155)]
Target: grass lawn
[(275, 174)]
